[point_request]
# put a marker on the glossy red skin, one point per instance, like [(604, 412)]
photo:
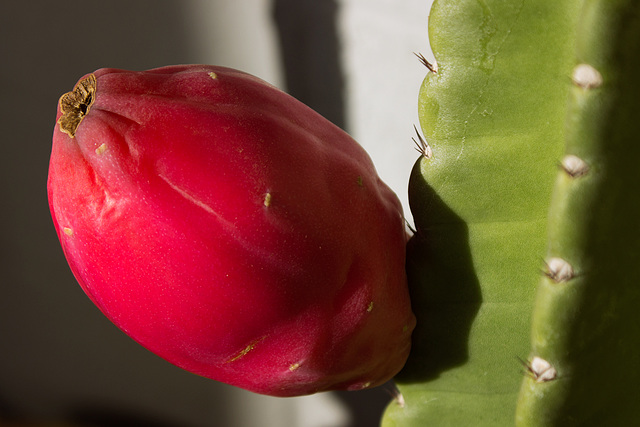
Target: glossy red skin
[(168, 232)]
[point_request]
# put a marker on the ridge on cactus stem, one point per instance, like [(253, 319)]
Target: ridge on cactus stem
[(231, 230)]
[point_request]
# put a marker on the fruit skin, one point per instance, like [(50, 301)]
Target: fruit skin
[(233, 231)]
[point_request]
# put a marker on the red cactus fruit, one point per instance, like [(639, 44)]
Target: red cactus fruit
[(231, 230)]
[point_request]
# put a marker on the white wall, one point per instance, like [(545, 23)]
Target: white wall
[(237, 34), (383, 79)]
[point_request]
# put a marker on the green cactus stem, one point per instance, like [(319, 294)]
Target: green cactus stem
[(586, 321), (492, 112)]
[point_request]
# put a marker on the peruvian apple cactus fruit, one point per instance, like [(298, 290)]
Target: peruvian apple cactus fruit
[(231, 230)]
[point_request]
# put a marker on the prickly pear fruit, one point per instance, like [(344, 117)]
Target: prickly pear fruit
[(231, 230)]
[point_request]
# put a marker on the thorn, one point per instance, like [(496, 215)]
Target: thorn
[(395, 393), (409, 226), (574, 166), (586, 77), (422, 146), (559, 270), (432, 67), (539, 369)]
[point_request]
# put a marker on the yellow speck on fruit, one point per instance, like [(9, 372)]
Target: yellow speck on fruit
[(360, 182), (246, 350), (370, 307), (213, 75), (267, 199), (405, 328), (294, 366), (67, 231), (101, 149), (76, 104)]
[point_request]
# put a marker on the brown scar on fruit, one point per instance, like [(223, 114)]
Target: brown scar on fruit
[(246, 350), (76, 104)]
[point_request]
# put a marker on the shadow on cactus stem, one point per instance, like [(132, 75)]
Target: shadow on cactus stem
[(445, 291)]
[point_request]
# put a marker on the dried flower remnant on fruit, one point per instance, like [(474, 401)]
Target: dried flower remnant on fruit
[(76, 104)]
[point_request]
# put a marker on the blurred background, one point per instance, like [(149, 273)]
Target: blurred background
[(60, 359)]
